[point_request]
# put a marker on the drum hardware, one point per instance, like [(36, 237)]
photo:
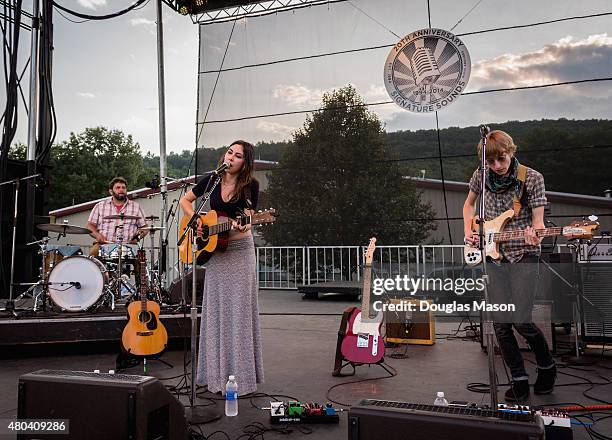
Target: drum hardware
[(121, 217)]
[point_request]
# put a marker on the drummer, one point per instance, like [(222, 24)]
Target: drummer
[(116, 229)]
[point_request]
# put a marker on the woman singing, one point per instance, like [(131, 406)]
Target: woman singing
[(230, 340)]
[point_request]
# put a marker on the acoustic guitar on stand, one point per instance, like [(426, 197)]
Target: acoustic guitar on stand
[(215, 232), (144, 334), (363, 343), (494, 235)]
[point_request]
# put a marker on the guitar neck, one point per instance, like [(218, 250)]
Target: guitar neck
[(143, 283), (227, 225), (517, 235), (365, 295)]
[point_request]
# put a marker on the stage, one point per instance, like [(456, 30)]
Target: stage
[(299, 338)]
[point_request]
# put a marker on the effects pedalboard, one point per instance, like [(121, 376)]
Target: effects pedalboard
[(557, 423), (294, 412)]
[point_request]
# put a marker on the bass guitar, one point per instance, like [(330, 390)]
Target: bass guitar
[(494, 235), (363, 343), (215, 233), (144, 334)]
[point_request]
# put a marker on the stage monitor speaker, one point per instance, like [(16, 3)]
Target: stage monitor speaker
[(418, 327), (101, 406), (596, 302), (388, 420)]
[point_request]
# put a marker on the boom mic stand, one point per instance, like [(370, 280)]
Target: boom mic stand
[(10, 303), (196, 414), (488, 323)]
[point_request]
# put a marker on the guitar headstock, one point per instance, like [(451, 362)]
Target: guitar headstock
[(580, 229), (369, 253), (262, 217)]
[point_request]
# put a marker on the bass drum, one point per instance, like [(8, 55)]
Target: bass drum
[(77, 283)]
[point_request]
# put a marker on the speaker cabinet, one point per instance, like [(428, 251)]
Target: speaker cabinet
[(418, 327), (101, 406), (388, 420), (596, 302)]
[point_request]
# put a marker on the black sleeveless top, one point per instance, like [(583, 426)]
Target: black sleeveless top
[(232, 209)]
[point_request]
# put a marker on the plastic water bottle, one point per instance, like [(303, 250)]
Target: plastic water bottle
[(231, 397), (440, 400)]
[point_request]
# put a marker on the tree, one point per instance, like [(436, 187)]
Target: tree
[(336, 183), (82, 166)]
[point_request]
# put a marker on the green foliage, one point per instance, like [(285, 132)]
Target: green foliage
[(18, 151), (82, 166), (334, 185)]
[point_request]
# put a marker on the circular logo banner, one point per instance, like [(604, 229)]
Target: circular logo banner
[(427, 70)]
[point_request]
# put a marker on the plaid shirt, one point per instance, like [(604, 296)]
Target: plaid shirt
[(108, 227), (496, 204)]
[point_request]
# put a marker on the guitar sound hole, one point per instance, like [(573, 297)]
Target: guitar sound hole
[(144, 317)]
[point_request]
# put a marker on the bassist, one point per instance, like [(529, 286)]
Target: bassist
[(513, 280)]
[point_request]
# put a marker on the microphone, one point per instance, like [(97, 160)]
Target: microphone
[(224, 166), (484, 130)]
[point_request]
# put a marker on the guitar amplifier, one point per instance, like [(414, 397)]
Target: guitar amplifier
[(596, 302), (418, 327), (100, 406), (388, 420)]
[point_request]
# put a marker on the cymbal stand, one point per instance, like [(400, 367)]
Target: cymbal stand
[(35, 287)]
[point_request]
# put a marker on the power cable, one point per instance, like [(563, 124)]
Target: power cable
[(99, 17), (388, 46), (372, 104)]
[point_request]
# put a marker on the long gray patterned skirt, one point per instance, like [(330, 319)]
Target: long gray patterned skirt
[(230, 340)]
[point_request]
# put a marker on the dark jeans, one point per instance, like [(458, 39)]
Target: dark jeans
[(517, 284)]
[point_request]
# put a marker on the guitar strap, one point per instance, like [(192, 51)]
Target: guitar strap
[(521, 176)]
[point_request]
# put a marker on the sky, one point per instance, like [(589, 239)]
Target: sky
[(105, 73)]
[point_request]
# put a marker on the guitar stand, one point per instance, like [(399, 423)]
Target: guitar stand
[(340, 361), (127, 360)]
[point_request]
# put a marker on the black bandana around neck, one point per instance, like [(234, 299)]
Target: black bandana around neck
[(500, 184)]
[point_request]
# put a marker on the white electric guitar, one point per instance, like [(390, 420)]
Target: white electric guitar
[(493, 235)]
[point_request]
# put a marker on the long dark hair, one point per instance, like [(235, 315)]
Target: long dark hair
[(243, 185)]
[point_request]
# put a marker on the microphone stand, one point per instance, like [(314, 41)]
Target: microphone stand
[(488, 329), (196, 414), (9, 306)]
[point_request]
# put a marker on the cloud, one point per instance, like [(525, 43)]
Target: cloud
[(563, 60), (91, 4), (275, 129), (87, 95), (298, 95), (140, 21)]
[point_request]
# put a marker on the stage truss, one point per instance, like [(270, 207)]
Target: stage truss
[(255, 9)]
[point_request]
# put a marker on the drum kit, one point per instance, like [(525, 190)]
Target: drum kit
[(78, 283)]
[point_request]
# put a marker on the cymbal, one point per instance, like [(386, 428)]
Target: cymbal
[(152, 217), (121, 217), (62, 228)]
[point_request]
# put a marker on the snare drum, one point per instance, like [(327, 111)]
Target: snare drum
[(111, 251), (77, 283)]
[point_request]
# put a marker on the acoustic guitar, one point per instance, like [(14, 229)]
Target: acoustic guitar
[(363, 343), (144, 334), (494, 235), (215, 233)]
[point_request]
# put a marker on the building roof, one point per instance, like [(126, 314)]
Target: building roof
[(552, 196)]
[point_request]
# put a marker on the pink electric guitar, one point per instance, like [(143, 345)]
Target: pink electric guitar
[(362, 343)]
